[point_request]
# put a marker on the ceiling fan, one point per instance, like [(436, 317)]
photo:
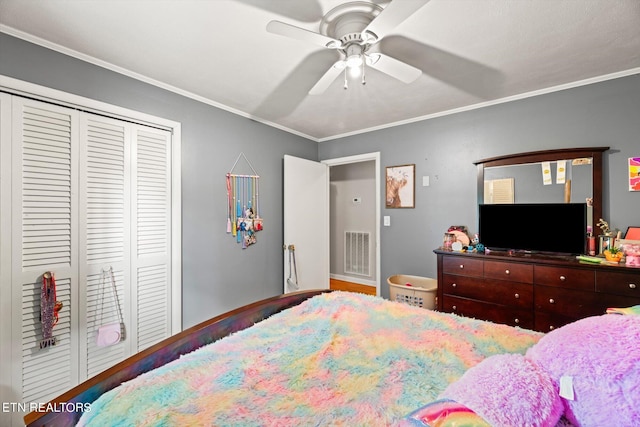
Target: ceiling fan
[(353, 29)]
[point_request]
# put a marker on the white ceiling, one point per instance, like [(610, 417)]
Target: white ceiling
[(471, 52)]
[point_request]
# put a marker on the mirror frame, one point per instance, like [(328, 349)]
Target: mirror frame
[(551, 155)]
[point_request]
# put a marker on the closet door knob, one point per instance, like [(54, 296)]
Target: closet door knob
[(551, 328), (453, 285), (517, 321), (461, 265), (552, 301), (454, 308), (562, 278), (507, 272), (517, 296), (632, 285)]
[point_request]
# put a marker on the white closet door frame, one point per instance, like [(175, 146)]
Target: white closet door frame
[(5, 246), (19, 87)]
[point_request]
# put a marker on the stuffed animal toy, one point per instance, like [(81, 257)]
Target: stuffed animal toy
[(597, 361), (585, 374)]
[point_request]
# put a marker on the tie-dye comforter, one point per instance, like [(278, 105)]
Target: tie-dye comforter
[(336, 359)]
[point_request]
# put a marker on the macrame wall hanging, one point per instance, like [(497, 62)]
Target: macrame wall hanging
[(243, 205)]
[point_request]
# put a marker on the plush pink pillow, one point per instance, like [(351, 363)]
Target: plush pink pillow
[(508, 390), (600, 358)]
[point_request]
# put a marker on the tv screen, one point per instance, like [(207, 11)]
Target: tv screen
[(545, 227)]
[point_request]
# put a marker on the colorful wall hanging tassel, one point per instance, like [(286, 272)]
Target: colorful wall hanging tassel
[(243, 218)]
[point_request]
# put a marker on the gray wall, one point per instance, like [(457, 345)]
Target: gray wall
[(217, 274), (602, 114)]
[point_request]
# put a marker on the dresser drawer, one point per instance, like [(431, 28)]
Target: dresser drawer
[(509, 271), (547, 322), (496, 291), (562, 277), (462, 266), (566, 302), (487, 311), (620, 283)]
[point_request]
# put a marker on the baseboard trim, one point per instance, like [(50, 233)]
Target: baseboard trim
[(353, 279)]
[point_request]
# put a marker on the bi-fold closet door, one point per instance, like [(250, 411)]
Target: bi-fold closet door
[(89, 194)]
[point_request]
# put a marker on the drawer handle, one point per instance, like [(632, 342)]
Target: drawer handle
[(507, 272), (551, 328), (517, 296), (562, 278), (552, 301), (453, 285), (517, 321), (454, 308), (632, 285), (461, 265)]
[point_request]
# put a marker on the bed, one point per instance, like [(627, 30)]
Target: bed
[(307, 358)]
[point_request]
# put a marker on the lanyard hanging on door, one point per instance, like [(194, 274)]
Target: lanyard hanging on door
[(49, 308), (292, 284)]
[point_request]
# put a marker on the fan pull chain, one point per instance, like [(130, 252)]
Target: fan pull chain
[(346, 85), (364, 60)]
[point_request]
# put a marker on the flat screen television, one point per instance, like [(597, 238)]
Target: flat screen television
[(545, 227)]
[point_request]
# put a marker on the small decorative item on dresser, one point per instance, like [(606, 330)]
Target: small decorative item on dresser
[(447, 241), (606, 239), (613, 254), (632, 255)]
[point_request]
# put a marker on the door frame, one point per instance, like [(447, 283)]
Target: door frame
[(366, 157), (65, 99)]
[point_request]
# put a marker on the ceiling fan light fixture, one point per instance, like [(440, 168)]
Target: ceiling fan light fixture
[(354, 55), (354, 61), (355, 71)]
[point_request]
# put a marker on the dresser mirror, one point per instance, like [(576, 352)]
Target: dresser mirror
[(553, 176)]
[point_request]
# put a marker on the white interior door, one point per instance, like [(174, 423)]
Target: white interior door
[(306, 224)]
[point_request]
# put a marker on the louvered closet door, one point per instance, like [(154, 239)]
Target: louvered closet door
[(125, 207), (44, 238), (104, 230), (151, 257)]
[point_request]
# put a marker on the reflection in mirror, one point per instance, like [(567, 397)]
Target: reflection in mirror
[(567, 181), (526, 183)]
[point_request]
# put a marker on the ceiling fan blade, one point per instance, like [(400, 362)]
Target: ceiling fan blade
[(397, 69), (328, 78), (465, 74), (288, 30), (391, 16), (293, 89)]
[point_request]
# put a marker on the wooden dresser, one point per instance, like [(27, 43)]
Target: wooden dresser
[(531, 291)]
